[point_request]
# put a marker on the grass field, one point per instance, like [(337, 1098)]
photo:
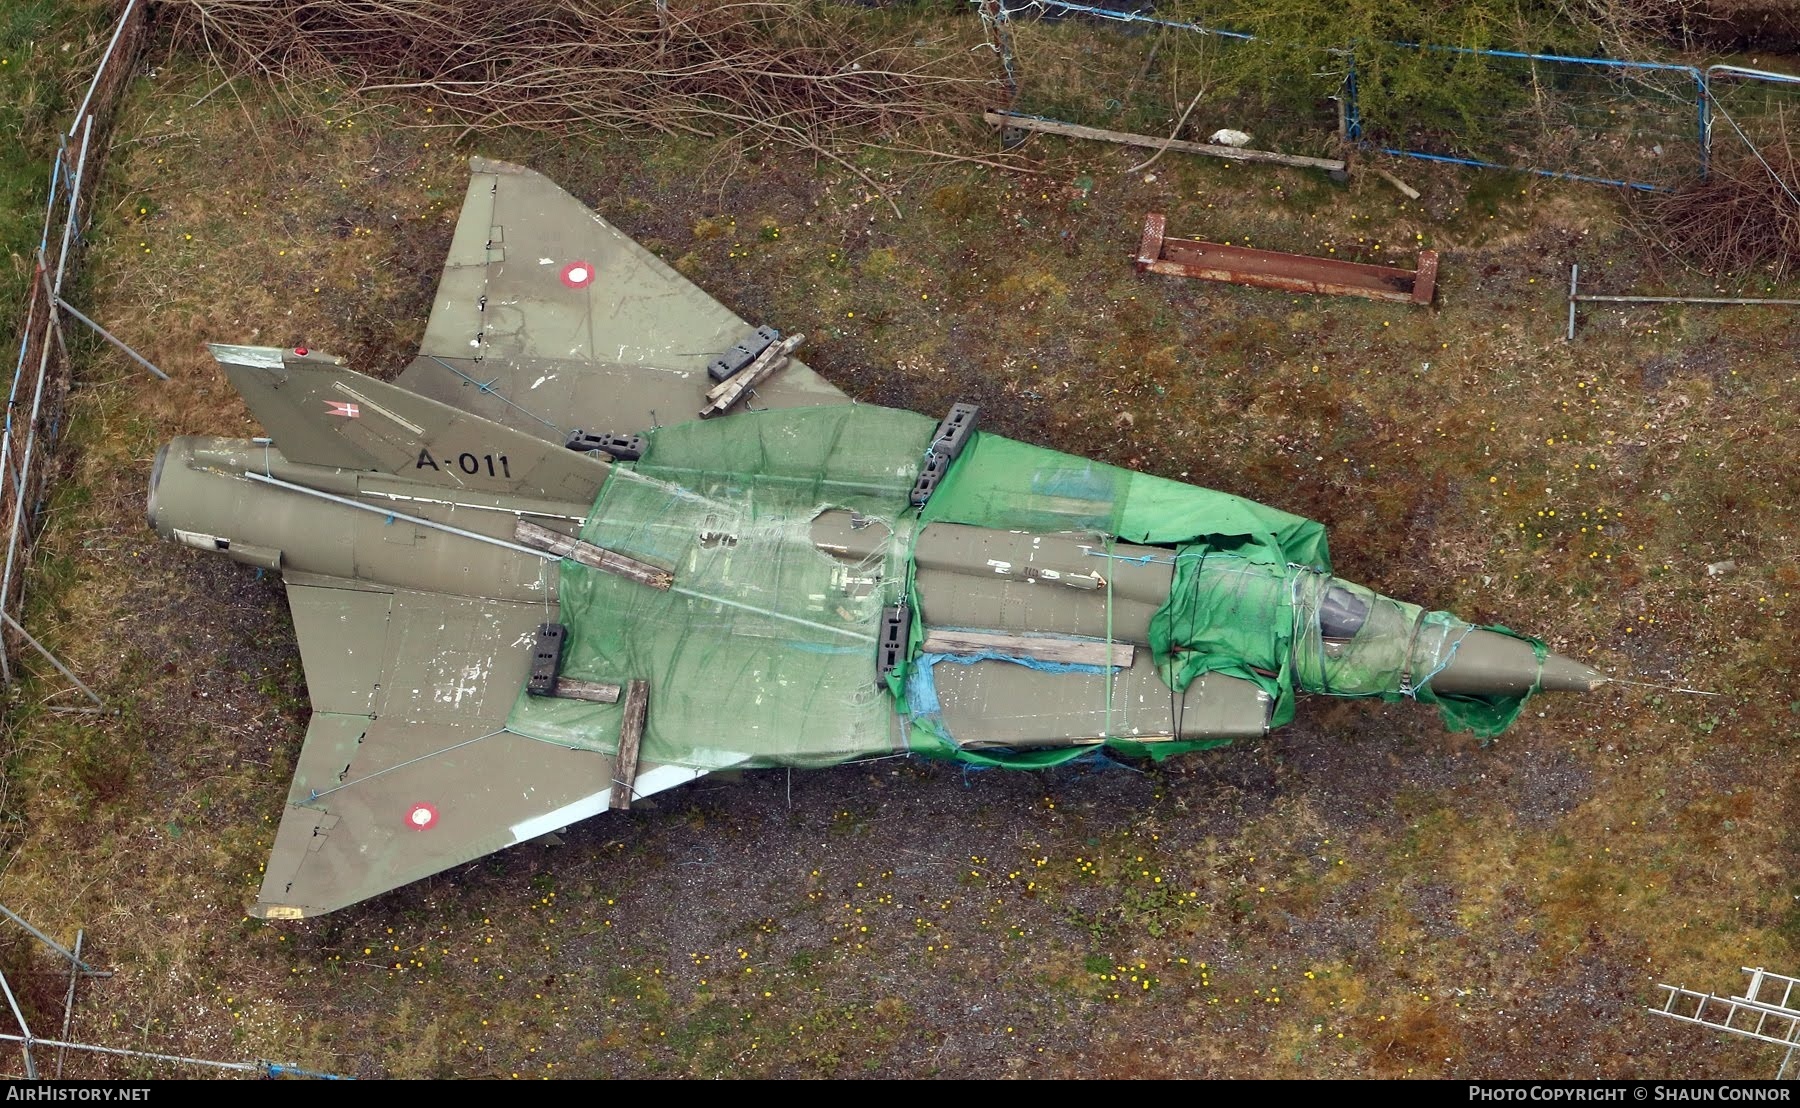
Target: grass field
[(1360, 894)]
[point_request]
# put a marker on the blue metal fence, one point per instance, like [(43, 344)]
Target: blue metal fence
[(1628, 123)]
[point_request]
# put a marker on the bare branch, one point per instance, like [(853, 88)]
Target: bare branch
[(816, 77)]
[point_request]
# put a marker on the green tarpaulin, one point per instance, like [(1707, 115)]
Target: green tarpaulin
[(764, 651)]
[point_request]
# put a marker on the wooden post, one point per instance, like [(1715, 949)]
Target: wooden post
[(594, 557), (1425, 278), (1406, 190), (723, 395), (595, 692), (1180, 146), (631, 735), (1043, 648)]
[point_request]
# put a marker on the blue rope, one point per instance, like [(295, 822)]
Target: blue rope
[(276, 1069), (488, 387), (1701, 101), (317, 793), (1449, 657), (1552, 173)]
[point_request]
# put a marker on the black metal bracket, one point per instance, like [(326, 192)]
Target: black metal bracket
[(624, 448), (947, 442), (742, 354), (896, 629), (546, 659)]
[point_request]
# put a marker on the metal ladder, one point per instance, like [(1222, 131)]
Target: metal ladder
[(1764, 1012)]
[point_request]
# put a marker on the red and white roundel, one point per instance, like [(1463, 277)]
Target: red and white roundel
[(578, 275), (421, 817)]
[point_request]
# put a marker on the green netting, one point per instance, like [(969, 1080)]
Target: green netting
[(1011, 485), (1486, 716), (1292, 628), (763, 652), (1228, 614), (1395, 652), (1249, 585)]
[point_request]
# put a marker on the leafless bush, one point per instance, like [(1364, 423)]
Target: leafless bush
[(1641, 28), (1744, 217), (1646, 28), (820, 76), (1753, 24)]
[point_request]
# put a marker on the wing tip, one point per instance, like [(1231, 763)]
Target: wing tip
[(479, 164), (279, 911), (255, 357)]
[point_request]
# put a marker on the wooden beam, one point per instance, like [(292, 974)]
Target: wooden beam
[(723, 395), (1084, 740), (1406, 190), (594, 557), (1180, 146), (631, 735), (596, 692), (1043, 648)]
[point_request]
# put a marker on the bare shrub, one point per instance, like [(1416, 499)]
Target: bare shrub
[(1752, 24), (819, 76), (1743, 217)]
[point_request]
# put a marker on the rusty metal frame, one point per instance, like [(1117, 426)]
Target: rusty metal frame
[(1271, 269)]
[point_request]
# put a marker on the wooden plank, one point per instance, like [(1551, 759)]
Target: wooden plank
[(771, 354), (594, 557), (597, 692), (1406, 190), (1224, 255), (723, 395), (1126, 138), (1043, 648), (631, 734)]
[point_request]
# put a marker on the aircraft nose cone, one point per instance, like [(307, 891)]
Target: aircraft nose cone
[(1487, 663), (1567, 675)]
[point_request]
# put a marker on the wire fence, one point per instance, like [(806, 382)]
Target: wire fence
[(1138, 73), (35, 1049), (35, 412), (1632, 123), (1750, 106), (35, 405), (34, 417), (1646, 125)]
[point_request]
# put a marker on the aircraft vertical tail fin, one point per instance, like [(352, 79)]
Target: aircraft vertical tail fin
[(320, 412)]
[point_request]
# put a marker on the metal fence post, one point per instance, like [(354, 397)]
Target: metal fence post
[(1703, 108), (1655, 93), (24, 1028), (999, 27)]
